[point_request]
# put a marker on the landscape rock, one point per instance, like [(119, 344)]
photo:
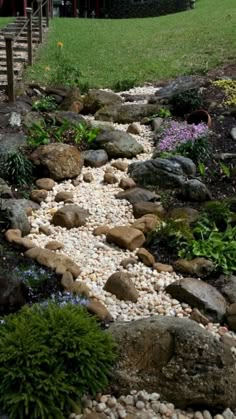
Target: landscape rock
[(73, 101), (231, 316), (199, 294), (54, 245), (63, 196), (233, 133), (120, 284), (200, 267), (96, 99), (5, 190), (88, 177), (194, 190), (126, 113), (45, 183), (141, 208), (52, 260), (157, 172), (176, 358), (133, 129), (98, 309), (128, 261), (186, 214), (120, 165), (38, 195), (127, 183), (156, 124), (226, 284), (146, 257), (11, 143), (178, 85), (60, 116), (126, 237), (162, 267), (110, 178), (14, 212), (70, 216), (98, 231), (146, 223), (137, 194), (58, 161), (198, 317), (44, 229), (94, 415), (101, 125), (12, 296), (95, 158), (188, 166), (74, 287), (117, 144), (14, 236)]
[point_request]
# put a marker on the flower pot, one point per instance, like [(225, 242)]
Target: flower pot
[(199, 116)]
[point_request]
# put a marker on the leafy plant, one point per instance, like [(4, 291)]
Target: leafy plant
[(125, 84), (17, 168), (65, 72), (186, 102), (229, 86), (171, 233), (197, 150), (38, 135), (45, 104), (50, 356), (202, 168), (225, 169)]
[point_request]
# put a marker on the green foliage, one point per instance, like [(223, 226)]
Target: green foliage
[(125, 84), (186, 102), (49, 358), (202, 168), (171, 233), (226, 170), (45, 104), (68, 131), (17, 168), (164, 113), (197, 150), (229, 86)]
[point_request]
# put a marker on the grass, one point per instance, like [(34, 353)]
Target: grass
[(5, 20), (145, 49)]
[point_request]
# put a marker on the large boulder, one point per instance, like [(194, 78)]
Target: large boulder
[(58, 161), (70, 216), (118, 144), (96, 99), (199, 294), (177, 358), (158, 172), (127, 113)]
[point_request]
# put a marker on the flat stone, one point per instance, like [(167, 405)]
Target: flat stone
[(126, 113), (142, 208), (120, 284), (187, 214), (45, 183), (162, 267), (199, 294), (98, 231), (54, 245), (146, 257), (137, 194), (120, 165), (126, 237), (70, 216)]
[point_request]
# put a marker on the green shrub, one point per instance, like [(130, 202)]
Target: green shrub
[(125, 84), (45, 104), (17, 168), (50, 356), (186, 102)]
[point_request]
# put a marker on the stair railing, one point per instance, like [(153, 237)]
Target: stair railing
[(10, 40)]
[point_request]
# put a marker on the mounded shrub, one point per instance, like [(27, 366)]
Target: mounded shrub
[(50, 356)]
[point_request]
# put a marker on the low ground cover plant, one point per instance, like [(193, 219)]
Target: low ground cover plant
[(229, 86), (16, 168), (45, 104), (68, 132), (189, 140), (50, 356)]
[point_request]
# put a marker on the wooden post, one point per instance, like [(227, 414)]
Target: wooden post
[(29, 35), (10, 68), (47, 13), (51, 8), (40, 17)]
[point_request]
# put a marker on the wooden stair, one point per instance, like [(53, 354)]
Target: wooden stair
[(20, 49)]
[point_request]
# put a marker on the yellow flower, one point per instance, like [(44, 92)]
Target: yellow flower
[(47, 68), (60, 44)]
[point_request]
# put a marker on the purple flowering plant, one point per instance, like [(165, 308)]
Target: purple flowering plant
[(189, 140)]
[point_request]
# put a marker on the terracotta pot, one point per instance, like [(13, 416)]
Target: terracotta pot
[(199, 116)]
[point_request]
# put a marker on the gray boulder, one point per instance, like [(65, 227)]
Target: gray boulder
[(14, 212), (199, 294), (178, 85), (127, 113), (226, 284), (95, 158), (194, 190), (158, 172), (118, 144), (188, 166), (175, 357)]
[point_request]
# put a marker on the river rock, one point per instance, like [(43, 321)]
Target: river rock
[(137, 194), (70, 216), (95, 158), (110, 178), (54, 245), (194, 190), (126, 113), (73, 101), (38, 195), (88, 177), (98, 309), (162, 267), (147, 223), (126, 237), (198, 317), (5, 190), (96, 99), (157, 172), (145, 256), (58, 161), (199, 294), (120, 165), (53, 260), (45, 183), (141, 208), (64, 196), (103, 229), (120, 284), (200, 267), (126, 183), (118, 144), (178, 359)]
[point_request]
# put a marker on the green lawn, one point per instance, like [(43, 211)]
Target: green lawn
[(4, 21), (146, 49)]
